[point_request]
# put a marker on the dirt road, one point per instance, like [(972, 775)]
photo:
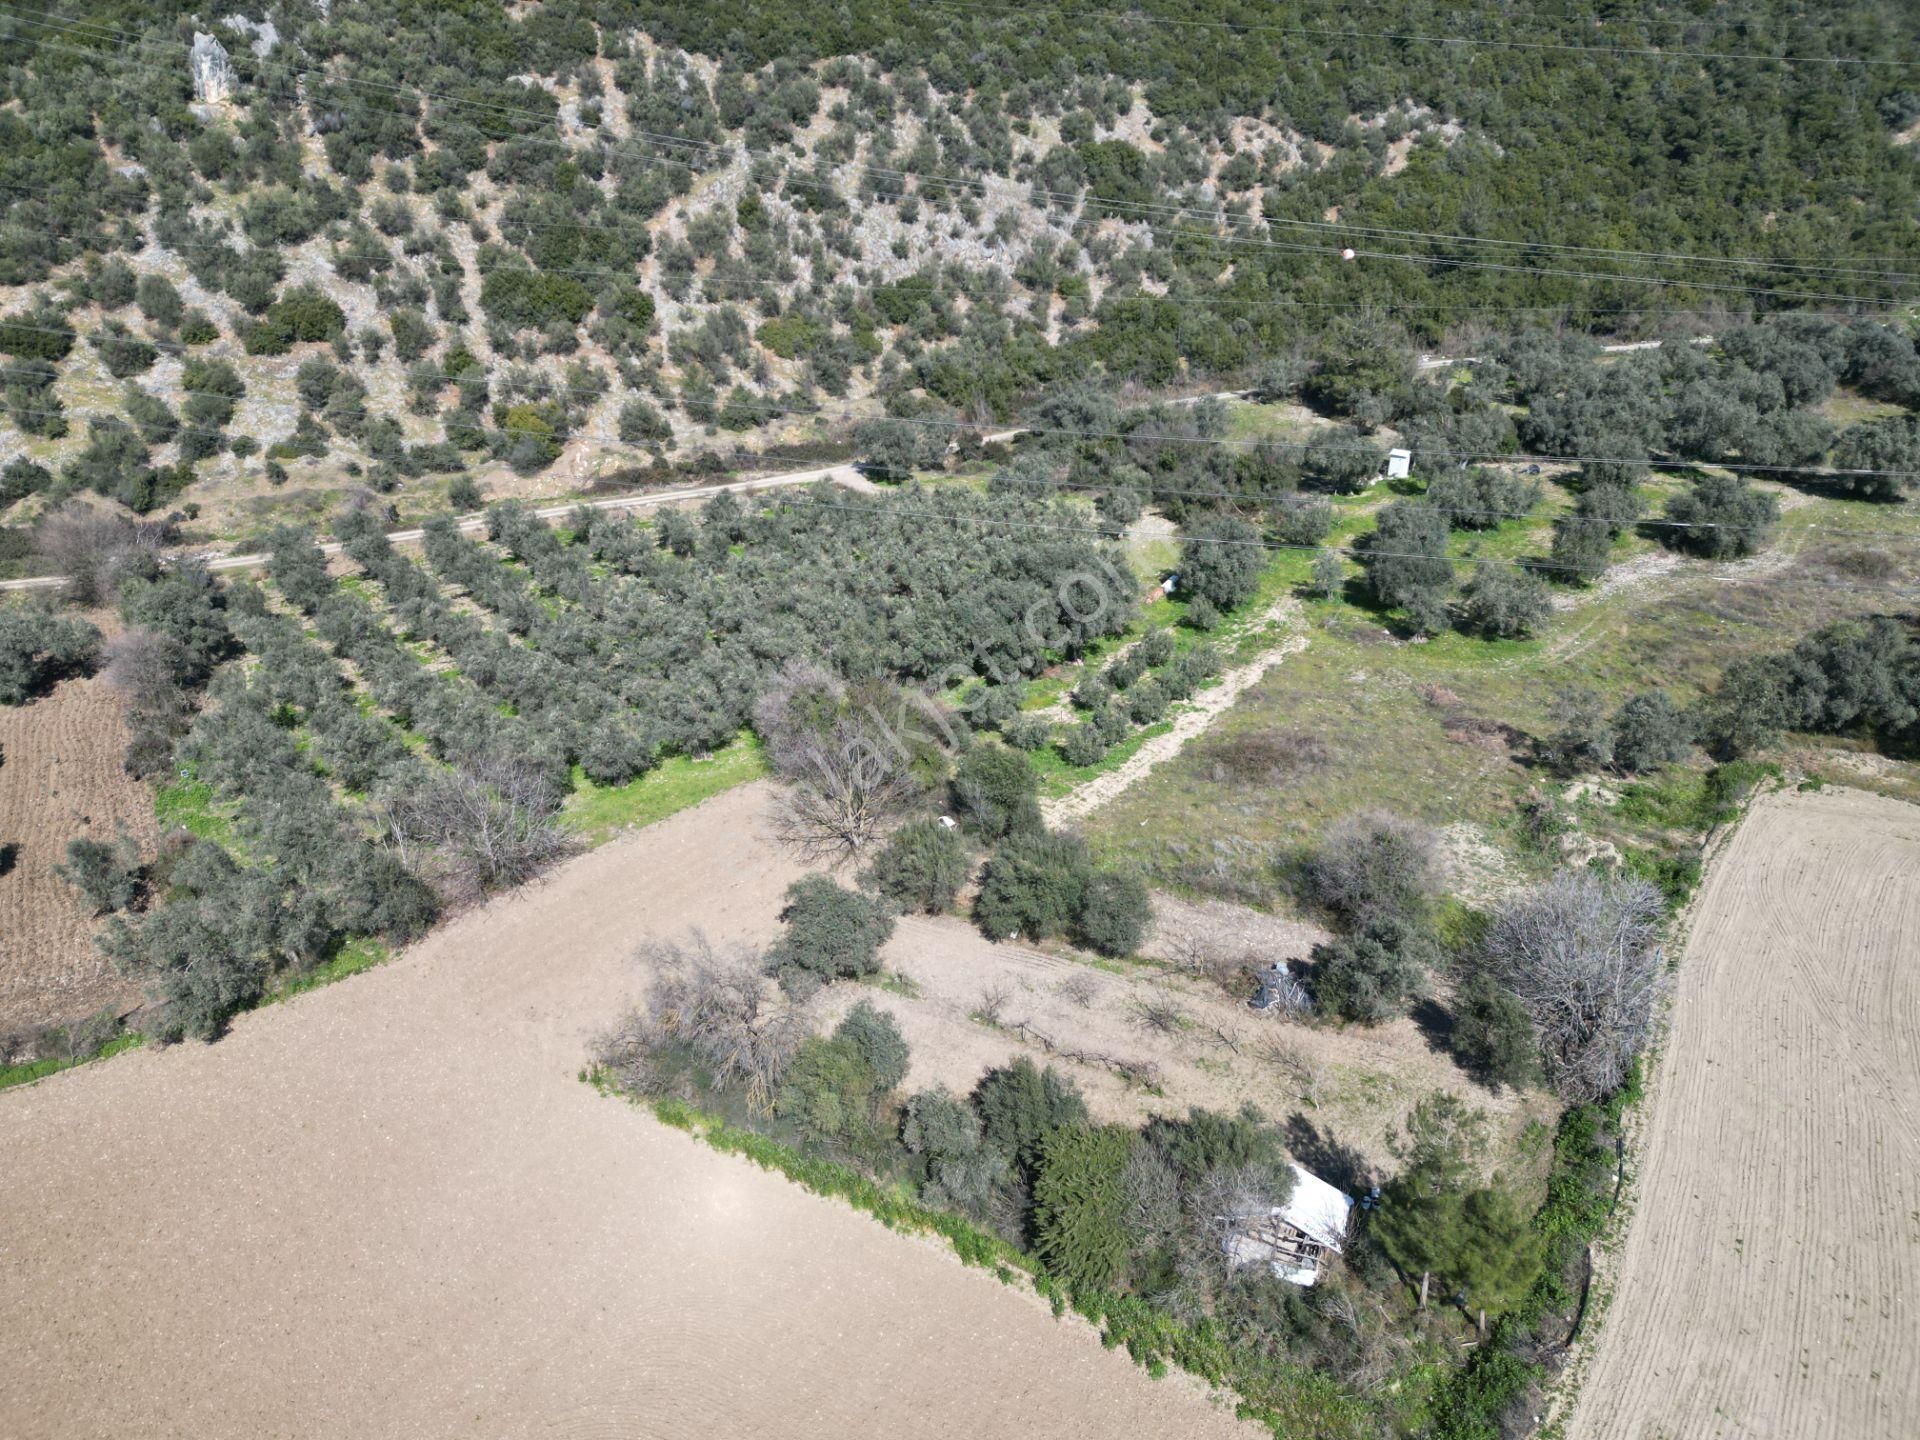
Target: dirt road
[(845, 476), (1189, 722), (389, 1208), (1770, 1281)]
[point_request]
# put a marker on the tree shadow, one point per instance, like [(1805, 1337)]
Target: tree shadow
[(1435, 1023), (1317, 1150), (9, 857)]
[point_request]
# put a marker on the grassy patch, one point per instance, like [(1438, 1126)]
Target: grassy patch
[(356, 955), (33, 1070), (190, 805), (1442, 730), (600, 812), (1057, 777), (893, 983)]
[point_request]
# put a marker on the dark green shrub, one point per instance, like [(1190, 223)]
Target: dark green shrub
[(1492, 1034), (1208, 1140), (1365, 978), (921, 867), (1021, 1104), (525, 300), (1114, 914), (996, 793), (1035, 885), (877, 1040), (121, 351), (963, 1170), (1079, 1204), (832, 934)]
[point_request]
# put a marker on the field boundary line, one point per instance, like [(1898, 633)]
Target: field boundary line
[(1603, 1252)]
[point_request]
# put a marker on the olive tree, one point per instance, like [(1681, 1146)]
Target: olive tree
[(1721, 518), (39, 647), (1406, 565), (921, 867), (486, 824), (1220, 561), (1504, 601)]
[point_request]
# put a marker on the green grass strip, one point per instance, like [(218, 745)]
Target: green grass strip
[(1288, 1399), (599, 812), (33, 1070)]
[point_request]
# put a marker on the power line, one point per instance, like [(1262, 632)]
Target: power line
[(1125, 208), (1228, 303), (1146, 437), (1223, 496), (1324, 32)]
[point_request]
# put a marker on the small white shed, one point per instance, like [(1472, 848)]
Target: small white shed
[(1399, 464), (1293, 1239)]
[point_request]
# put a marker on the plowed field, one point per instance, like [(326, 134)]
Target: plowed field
[(62, 780), (389, 1208), (1770, 1281)]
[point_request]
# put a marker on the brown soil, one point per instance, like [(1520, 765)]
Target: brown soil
[(389, 1207), (1158, 1038), (62, 781), (1767, 1282)]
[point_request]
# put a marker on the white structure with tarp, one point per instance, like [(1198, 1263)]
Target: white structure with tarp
[(1294, 1239)]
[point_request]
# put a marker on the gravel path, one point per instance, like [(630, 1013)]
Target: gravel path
[(389, 1208)]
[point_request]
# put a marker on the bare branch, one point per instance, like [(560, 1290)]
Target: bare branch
[(1583, 955)]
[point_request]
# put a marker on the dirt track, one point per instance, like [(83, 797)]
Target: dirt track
[(388, 1208), (1770, 1281), (1192, 720)]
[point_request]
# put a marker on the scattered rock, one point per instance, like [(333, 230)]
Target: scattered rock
[(265, 37), (213, 77)]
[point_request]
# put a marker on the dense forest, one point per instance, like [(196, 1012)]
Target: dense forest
[(398, 243)]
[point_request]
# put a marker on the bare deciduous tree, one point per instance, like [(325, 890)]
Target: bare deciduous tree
[(847, 767), (847, 790), (1160, 1015), (141, 664), (1230, 1200), (716, 1006), (1082, 989), (1583, 955), (93, 548), (487, 824)]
